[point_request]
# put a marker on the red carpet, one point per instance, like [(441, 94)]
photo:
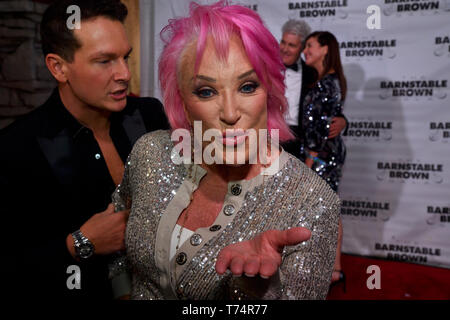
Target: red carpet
[(399, 281)]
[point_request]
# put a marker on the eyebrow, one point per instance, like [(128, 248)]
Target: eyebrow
[(245, 74), (105, 54), (199, 76)]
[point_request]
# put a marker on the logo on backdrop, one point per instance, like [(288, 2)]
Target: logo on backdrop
[(365, 130), (439, 131), (405, 252), (409, 7), (418, 89), (410, 172), (442, 48), (253, 7), (438, 214), (366, 210), (320, 9), (366, 49)]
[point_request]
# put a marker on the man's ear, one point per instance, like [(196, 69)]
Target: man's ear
[(57, 66)]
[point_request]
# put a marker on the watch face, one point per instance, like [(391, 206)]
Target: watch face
[(86, 250)]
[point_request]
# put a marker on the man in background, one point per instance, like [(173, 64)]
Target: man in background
[(299, 78)]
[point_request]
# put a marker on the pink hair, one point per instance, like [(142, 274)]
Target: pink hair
[(220, 21)]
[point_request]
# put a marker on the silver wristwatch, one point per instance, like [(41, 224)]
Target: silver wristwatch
[(84, 249)]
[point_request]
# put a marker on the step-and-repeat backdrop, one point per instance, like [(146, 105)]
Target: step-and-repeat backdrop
[(395, 188)]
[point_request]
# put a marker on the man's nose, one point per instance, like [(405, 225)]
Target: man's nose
[(122, 71)]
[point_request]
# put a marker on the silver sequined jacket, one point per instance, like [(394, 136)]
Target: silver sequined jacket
[(157, 191)]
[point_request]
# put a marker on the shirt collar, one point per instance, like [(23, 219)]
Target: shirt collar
[(293, 66), (60, 118)]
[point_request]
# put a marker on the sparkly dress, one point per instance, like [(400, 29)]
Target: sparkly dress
[(158, 191), (321, 104)]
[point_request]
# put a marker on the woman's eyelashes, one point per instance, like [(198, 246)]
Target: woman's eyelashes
[(204, 93), (207, 92), (249, 87)]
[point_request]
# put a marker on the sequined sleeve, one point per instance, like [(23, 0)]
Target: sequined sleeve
[(305, 271), (306, 268), (118, 265), (322, 103), (121, 197)]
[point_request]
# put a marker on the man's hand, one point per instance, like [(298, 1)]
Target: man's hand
[(106, 230), (337, 125), (261, 255)]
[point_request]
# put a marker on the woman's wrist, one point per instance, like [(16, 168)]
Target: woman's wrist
[(314, 158)]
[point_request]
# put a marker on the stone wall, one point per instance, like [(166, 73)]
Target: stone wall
[(25, 82)]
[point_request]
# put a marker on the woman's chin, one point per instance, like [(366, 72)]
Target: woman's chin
[(235, 159)]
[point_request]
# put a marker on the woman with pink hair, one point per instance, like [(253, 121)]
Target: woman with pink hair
[(264, 227)]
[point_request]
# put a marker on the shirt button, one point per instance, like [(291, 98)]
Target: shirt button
[(215, 227), (97, 156), (181, 258), (236, 189), (228, 209), (196, 239)]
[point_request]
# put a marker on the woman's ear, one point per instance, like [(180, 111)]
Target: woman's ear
[(57, 67)]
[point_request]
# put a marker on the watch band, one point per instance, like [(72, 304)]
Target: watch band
[(84, 248)]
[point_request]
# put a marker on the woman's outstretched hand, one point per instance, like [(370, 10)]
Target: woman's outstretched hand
[(261, 255)]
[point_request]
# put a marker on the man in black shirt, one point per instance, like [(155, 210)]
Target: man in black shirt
[(61, 163)]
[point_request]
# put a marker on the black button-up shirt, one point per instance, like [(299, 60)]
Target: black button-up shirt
[(53, 178)]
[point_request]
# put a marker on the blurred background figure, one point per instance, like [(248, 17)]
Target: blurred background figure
[(324, 101), (298, 80)]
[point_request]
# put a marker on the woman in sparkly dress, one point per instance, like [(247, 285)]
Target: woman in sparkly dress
[(323, 102), (220, 229)]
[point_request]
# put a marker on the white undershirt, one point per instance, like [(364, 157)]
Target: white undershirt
[(293, 82), (185, 234)]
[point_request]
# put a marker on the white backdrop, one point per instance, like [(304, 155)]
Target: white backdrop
[(395, 189)]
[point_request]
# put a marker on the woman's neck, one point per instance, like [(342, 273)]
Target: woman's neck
[(229, 173), (321, 71), (319, 68)]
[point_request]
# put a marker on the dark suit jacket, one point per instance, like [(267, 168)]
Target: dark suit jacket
[(53, 178), (308, 78)]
